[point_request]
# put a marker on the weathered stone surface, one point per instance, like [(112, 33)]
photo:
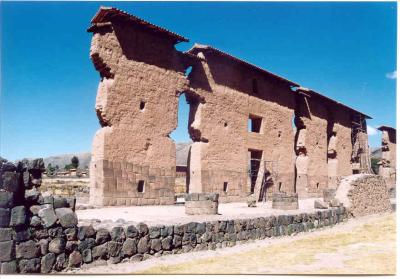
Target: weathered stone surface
[(22, 234), (85, 232), (47, 262), (87, 243), (9, 267), (61, 262), (29, 266), (155, 244), (56, 232), (57, 245), (132, 232), (48, 217), (117, 234), (320, 204), (114, 248), (154, 232), (18, 216), (28, 250), (100, 251), (67, 217), (10, 181), (70, 233), (129, 247), (6, 234), (102, 236), (44, 246), (87, 256), (177, 241), (35, 221), (32, 195), (334, 203), (34, 209), (71, 245), (7, 251), (167, 231), (143, 229), (136, 258), (6, 199), (166, 243), (143, 245), (60, 202), (4, 217), (251, 201), (75, 259)]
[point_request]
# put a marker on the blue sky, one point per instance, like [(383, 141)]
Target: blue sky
[(346, 51)]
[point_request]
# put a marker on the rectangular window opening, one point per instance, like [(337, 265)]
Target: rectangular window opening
[(254, 124), (140, 186)]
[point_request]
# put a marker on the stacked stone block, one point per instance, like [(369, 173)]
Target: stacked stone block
[(285, 201), (201, 203)]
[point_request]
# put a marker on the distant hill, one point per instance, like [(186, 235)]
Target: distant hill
[(182, 151)]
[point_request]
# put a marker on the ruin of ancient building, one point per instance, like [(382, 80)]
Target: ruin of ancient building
[(253, 132), (387, 164)]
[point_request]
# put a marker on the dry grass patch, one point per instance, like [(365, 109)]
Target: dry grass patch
[(350, 250)]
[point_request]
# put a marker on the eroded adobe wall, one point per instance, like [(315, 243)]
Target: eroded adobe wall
[(311, 161), (142, 76), (224, 94), (387, 166)]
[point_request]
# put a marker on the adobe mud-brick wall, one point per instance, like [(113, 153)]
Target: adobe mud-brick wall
[(387, 166), (285, 201), (142, 76), (230, 93)]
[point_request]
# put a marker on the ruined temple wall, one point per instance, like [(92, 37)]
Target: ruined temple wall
[(222, 120), (314, 116), (134, 143), (342, 120)]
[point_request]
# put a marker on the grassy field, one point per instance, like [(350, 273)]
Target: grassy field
[(367, 248)]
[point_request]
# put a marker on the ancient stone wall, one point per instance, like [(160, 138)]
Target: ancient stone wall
[(364, 194), (201, 204), (142, 76), (387, 168), (40, 233)]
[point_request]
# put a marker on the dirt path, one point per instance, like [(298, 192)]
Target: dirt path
[(360, 246)]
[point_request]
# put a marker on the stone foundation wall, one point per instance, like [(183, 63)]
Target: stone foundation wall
[(40, 234), (201, 204)]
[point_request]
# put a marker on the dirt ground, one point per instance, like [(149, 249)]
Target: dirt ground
[(366, 245)]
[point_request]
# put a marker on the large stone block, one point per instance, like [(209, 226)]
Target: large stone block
[(6, 199), (18, 216), (47, 262), (6, 234), (48, 217), (285, 201), (102, 236), (10, 182), (29, 266), (7, 251), (86, 232), (57, 246), (28, 250), (9, 267), (67, 217)]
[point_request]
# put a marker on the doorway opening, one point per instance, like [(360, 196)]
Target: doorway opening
[(254, 167)]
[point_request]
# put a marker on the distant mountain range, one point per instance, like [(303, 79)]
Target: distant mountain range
[(182, 151)]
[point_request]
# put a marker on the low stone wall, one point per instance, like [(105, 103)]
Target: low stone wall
[(285, 201), (328, 194), (39, 233), (364, 194), (201, 203)]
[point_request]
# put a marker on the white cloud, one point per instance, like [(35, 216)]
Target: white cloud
[(371, 131), (392, 75)]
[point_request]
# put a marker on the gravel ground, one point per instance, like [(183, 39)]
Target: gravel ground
[(175, 214)]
